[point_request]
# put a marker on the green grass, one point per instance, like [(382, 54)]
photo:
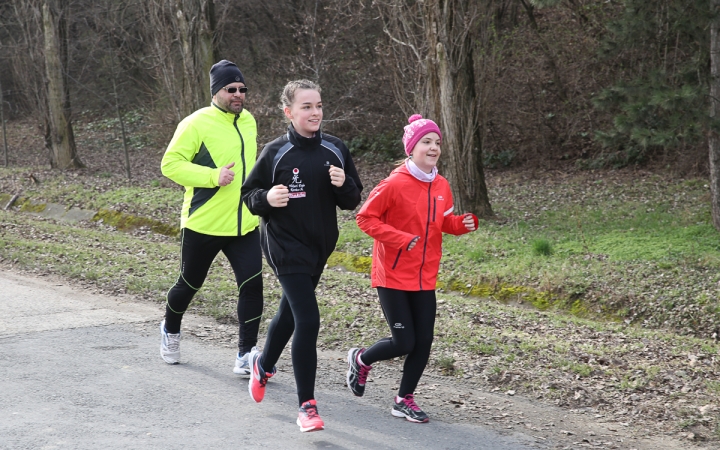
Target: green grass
[(446, 364), (105, 191), (713, 386), (542, 247), (88, 254), (639, 249)]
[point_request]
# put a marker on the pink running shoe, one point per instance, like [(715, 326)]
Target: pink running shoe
[(308, 418), (258, 377)]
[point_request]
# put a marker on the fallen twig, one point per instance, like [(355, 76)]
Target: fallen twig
[(12, 201)]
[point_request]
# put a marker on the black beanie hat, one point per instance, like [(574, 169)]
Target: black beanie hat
[(224, 73)]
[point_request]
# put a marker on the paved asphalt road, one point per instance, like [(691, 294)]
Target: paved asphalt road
[(81, 371)]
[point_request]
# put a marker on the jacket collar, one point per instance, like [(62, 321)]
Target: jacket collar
[(404, 170), (419, 174), (300, 141), (229, 116)]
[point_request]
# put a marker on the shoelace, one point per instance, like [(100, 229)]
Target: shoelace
[(264, 376), (173, 342), (363, 373), (264, 379), (409, 401), (310, 411)]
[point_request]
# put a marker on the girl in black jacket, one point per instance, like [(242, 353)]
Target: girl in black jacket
[(295, 186)]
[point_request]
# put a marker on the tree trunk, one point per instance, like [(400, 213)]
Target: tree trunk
[(2, 119), (119, 114), (195, 28), (207, 50), (714, 139), (455, 103), (60, 139)]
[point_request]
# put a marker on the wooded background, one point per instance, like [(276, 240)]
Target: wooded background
[(583, 84)]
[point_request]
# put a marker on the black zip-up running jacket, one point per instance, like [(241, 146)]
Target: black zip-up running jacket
[(299, 237)]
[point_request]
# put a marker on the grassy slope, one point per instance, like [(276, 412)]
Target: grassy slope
[(631, 246), (622, 246)]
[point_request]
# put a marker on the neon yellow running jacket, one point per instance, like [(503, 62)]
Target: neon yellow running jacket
[(204, 142)]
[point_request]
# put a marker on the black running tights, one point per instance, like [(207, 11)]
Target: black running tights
[(298, 312), (197, 254), (411, 317)]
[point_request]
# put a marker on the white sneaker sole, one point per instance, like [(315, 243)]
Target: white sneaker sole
[(244, 373), (171, 361), (397, 413), (349, 372), (307, 430)]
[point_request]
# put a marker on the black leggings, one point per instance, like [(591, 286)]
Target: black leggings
[(298, 312), (197, 254), (411, 317)]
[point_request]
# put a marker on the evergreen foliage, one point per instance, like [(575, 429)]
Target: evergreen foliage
[(662, 52)]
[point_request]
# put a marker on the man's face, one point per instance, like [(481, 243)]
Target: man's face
[(230, 102)]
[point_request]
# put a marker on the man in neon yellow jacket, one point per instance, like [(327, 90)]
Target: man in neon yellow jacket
[(211, 153)]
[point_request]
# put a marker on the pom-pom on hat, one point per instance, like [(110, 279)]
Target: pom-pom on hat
[(224, 73), (417, 128)]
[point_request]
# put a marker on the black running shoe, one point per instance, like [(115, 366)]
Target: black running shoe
[(357, 373), (408, 409)]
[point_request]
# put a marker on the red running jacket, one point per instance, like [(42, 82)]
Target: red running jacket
[(400, 208)]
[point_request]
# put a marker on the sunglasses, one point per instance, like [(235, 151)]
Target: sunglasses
[(232, 90)]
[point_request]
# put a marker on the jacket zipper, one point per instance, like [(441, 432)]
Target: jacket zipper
[(242, 146), (242, 159), (397, 258), (427, 232)]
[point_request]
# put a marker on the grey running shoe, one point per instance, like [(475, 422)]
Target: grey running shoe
[(408, 409), (169, 345), (357, 373), (242, 363)]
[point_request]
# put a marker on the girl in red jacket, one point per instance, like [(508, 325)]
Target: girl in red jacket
[(406, 214)]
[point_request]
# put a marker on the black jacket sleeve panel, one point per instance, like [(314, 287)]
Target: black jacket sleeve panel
[(347, 196), (258, 183)]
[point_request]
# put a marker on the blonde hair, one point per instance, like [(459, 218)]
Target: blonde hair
[(288, 94)]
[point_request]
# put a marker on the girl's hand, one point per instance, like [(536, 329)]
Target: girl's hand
[(337, 176), (469, 222), (278, 196), (413, 242)]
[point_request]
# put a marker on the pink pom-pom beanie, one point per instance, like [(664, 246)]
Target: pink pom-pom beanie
[(417, 128)]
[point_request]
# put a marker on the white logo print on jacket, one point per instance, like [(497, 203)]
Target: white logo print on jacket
[(297, 187)]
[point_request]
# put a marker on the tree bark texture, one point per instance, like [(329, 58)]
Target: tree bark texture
[(2, 120), (714, 138), (454, 104), (433, 46), (28, 61), (195, 29), (60, 139), (183, 39)]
